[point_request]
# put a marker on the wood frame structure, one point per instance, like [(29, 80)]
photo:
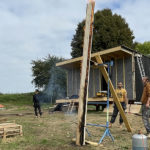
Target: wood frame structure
[(130, 71), (10, 129), (105, 74), (116, 54), (96, 99), (105, 52)]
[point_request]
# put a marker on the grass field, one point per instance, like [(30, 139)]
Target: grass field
[(55, 131), (16, 99)]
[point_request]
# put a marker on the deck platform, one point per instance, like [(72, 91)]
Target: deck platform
[(91, 99)]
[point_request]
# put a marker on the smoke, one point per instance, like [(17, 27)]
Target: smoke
[(56, 88)]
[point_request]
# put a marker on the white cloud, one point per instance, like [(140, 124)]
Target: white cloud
[(136, 13), (32, 29)]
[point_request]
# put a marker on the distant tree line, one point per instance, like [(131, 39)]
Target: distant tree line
[(143, 48)]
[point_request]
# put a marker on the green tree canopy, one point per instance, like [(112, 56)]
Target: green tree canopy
[(42, 69), (110, 30), (49, 77), (143, 48)]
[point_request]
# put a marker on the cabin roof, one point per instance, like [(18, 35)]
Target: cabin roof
[(108, 54)]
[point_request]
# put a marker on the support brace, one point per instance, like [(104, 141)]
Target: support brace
[(115, 97)]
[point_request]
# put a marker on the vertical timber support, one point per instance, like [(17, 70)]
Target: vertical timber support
[(133, 76), (115, 97), (82, 110), (93, 82), (116, 69), (72, 87), (124, 74), (67, 82), (100, 79)]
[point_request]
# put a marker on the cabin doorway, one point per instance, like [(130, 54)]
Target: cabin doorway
[(104, 84)]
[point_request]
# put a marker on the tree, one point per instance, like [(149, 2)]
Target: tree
[(143, 48), (110, 30), (41, 70), (49, 77)]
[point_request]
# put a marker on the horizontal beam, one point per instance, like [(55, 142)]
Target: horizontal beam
[(111, 50), (97, 99)]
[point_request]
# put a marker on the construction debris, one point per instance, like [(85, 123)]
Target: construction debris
[(10, 129)]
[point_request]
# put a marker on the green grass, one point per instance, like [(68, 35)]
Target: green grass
[(56, 131), (16, 99)]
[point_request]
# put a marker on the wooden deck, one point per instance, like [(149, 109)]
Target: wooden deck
[(91, 99)]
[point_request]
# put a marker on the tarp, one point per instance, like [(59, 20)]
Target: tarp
[(2, 106)]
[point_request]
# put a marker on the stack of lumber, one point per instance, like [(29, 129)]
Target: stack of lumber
[(2, 120), (10, 129)]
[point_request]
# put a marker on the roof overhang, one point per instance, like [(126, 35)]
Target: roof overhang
[(112, 53)]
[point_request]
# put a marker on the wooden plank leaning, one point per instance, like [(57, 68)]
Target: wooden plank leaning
[(116, 100)]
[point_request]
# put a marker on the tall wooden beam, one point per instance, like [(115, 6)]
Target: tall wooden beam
[(67, 82), (124, 74), (116, 69), (84, 82), (133, 76), (115, 97)]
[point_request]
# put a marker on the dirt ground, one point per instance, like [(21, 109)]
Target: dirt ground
[(56, 131)]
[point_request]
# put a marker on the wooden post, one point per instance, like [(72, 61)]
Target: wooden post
[(105, 74), (4, 134), (21, 134), (116, 69), (72, 82), (67, 82), (84, 82), (124, 74), (100, 78), (93, 82), (133, 77)]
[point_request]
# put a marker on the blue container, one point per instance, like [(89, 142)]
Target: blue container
[(139, 142)]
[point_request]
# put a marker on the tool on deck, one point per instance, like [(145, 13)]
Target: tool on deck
[(101, 94)]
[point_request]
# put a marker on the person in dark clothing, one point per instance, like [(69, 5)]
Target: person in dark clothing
[(36, 103)]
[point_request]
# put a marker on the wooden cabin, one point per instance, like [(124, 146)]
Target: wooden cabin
[(125, 69)]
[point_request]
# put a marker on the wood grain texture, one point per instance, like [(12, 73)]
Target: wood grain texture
[(84, 83)]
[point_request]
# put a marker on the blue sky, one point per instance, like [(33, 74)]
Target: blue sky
[(32, 29)]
